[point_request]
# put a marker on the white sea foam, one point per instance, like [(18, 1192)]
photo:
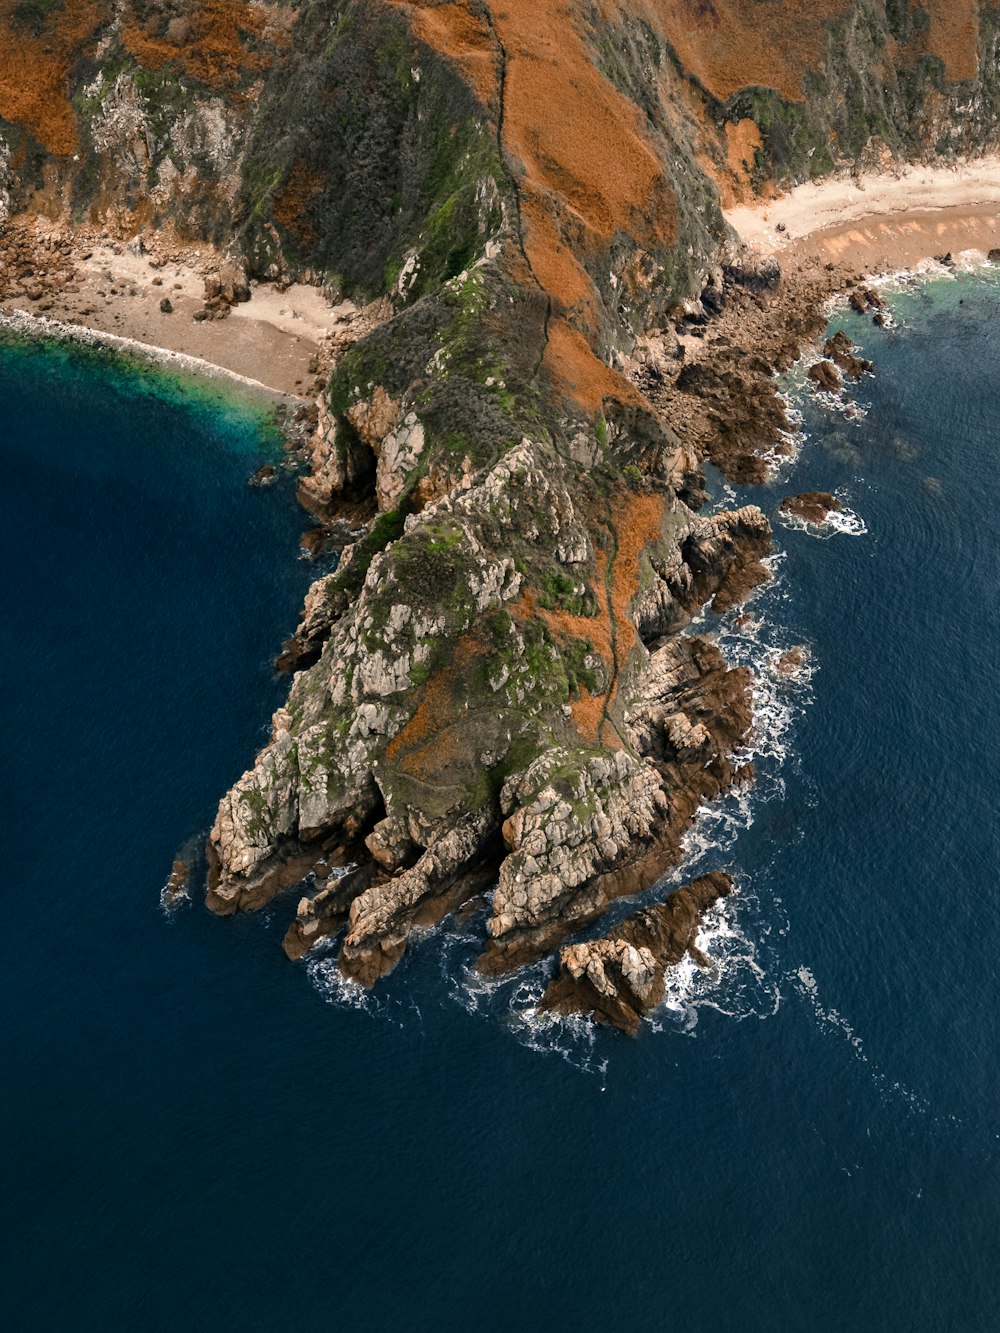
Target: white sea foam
[(736, 982), (843, 522), (172, 900), (830, 1020), (28, 325), (324, 972)]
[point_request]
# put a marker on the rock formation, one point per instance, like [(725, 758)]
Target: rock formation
[(496, 686), (812, 506), (840, 350), (620, 976)]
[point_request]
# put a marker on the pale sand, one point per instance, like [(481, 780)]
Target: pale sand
[(275, 339), (881, 221), (21, 322)]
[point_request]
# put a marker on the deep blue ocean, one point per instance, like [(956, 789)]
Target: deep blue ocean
[(198, 1135)]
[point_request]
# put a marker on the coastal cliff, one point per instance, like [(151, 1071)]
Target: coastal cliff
[(496, 690)]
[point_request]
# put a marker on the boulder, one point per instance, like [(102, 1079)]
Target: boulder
[(826, 377), (812, 506)]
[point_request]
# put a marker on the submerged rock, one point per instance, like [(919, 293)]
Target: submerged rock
[(791, 661), (264, 475), (177, 885)]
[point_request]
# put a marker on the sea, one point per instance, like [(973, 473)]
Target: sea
[(199, 1135)]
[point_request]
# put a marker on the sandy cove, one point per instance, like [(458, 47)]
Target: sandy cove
[(287, 338), (880, 221), (284, 338)]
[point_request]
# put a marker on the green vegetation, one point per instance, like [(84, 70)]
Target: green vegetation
[(557, 590), (383, 166)]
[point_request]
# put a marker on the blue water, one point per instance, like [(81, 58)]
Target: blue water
[(198, 1135)]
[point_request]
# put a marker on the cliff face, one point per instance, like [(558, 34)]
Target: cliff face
[(329, 136), (495, 683)]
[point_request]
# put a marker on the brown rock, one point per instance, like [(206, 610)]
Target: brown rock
[(826, 377), (840, 350), (177, 885), (314, 540), (813, 506), (621, 976), (788, 663)]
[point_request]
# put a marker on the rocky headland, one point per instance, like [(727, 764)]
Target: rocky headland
[(487, 244)]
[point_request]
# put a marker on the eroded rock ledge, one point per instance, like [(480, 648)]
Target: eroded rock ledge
[(505, 694), (621, 976)]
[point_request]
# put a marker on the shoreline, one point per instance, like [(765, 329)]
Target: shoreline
[(176, 303), (878, 222), (23, 324)]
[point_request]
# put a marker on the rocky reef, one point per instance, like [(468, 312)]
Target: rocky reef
[(621, 976), (811, 506), (496, 692)]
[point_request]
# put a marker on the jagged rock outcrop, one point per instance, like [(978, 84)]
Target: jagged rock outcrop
[(495, 681), (826, 377), (718, 561), (439, 727), (621, 976), (840, 350)]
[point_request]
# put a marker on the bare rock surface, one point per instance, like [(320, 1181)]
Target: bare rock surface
[(620, 976), (812, 506)]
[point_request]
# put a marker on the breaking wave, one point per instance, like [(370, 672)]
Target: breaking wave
[(843, 522)]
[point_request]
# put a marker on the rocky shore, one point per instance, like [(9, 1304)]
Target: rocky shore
[(556, 754), (495, 695), (621, 976), (506, 290)]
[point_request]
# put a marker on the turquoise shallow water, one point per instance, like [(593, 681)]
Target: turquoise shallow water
[(198, 1135)]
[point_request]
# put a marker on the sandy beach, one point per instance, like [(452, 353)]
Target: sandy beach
[(284, 339), (880, 221)]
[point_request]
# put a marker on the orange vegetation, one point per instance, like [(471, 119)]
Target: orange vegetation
[(572, 364), (732, 44), (553, 262), (34, 70), (587, 711), (742, 141), (291, 207), (213, 49), (217, 48), (583, 147), (425, 736), (636, 521), (587, 167), (954, 36), (464, 38)]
